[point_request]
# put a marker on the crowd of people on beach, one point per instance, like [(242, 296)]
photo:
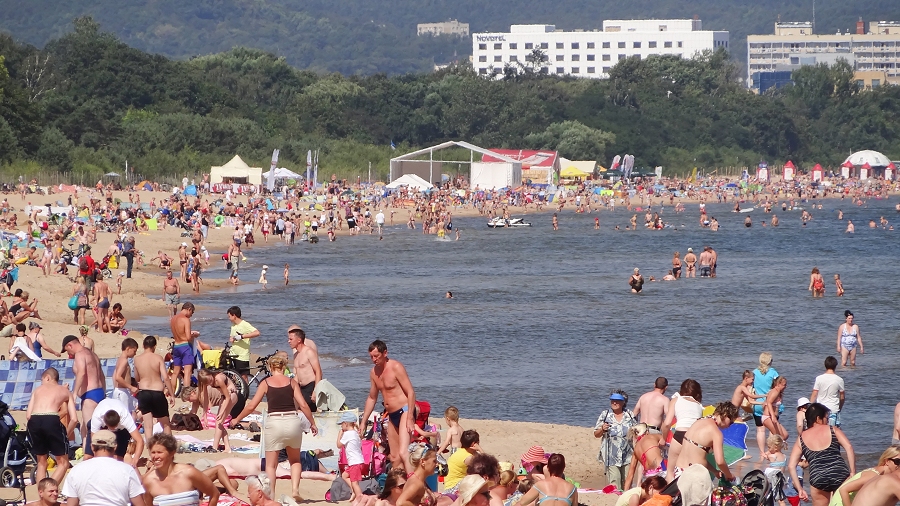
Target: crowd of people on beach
[(641, 450)]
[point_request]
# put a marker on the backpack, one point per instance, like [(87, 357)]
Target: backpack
[(340, 491), (188, 421), (82, 264)]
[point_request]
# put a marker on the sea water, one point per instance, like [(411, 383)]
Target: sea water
[(543, 326)]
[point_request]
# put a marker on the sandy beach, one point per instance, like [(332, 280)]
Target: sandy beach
[(141, 296)]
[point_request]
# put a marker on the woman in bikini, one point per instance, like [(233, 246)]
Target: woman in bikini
[(676, 265), (554, 490), (416, 493), (648, 452), (705, 436), (770, 408), (821, 446), (848, 339)]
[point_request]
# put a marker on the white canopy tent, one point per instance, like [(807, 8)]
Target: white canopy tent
[(412, 181), (236, 171), (873, 158), (432, 169), (281, 172)]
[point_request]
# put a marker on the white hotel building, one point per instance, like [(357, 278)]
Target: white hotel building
[(592, 53)]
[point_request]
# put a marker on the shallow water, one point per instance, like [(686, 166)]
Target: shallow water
[(543, 324)]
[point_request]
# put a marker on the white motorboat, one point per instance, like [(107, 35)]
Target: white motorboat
[(499, 222)]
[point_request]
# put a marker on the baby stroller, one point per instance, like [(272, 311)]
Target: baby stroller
[(16, 455)]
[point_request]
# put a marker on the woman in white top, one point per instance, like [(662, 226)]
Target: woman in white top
[(686, 408)]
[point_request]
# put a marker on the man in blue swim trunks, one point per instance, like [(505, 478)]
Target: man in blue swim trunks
[(183, 351), (90, 384), (390, 378)]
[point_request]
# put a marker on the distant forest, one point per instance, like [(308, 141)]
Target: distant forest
[(379, 36), (86, 103)]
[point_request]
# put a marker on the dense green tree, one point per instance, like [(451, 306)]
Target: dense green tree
[(572, 138)]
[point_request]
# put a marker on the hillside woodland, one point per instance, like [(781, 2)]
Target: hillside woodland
[(87, 102)]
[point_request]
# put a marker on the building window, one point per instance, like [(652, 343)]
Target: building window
[(651, 44), (574, 45), (606, 45), (544, 45), (876, 83), (560, 70), (575, 57), (591, 45), (680, 44), (637, 45), (576, 70), (560, 57), (513, 45), (482, 47), (513, 57), (482, 71), (667, 43), (560, 45), (498, 46), (529, 45), (795, 60), (663, 28), (591, 70), (606, 57), (590, 57), (498, 58), (621, 57), (482, 58), (860, 84), (606, 70), (622, 45)]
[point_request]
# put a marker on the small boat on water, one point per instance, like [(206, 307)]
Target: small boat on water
[(499, 222)]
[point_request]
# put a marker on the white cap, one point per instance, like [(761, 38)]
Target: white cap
[(803, 401), (184, 244), (121, 273), (265, 267), (203, 248)]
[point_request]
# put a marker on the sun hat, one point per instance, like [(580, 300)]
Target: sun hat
[(470, 486), (104, 438), (535, 454), (616, 396), (695, 486), (348, 417), (803, 401)]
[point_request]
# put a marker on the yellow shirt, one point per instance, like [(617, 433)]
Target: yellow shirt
[(240, 350), (456, 468)]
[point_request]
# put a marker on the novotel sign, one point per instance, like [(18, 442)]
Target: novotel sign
[(490, 38)]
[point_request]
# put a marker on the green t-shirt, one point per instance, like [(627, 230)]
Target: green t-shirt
[(240, 350)]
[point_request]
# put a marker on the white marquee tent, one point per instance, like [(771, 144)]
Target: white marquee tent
[(236, 171), (412, 181), (281, 172)]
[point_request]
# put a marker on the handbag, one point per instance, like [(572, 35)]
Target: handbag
[(73, 303)]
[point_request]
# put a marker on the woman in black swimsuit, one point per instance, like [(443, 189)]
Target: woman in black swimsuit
[(821, 446), (636, 281)]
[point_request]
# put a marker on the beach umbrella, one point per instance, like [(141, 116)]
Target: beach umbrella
[(734, 445)]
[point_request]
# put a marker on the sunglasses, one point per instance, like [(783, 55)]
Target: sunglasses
[(896, 461)]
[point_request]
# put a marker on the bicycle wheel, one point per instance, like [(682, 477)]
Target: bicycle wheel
[(243, 389), (178, 384)]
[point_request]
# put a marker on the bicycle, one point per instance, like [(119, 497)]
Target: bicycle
[(225, 366)]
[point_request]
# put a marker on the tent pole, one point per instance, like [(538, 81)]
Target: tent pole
[(431, 166)]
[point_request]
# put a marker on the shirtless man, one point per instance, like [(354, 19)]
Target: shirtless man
[(183, 351), (705, 263), (690, 263), (171, 293), (90, 384), (307, 370), (714, 260), (154, 386), (101, 302), (390, 379), (653, 405), (48, 493), (123, 390), (166, 478), (882, 490), (47, 433)]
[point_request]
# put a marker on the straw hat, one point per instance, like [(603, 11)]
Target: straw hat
[(470, 486), (535, 454)]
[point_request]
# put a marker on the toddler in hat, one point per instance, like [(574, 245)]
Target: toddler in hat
[(349, 441)]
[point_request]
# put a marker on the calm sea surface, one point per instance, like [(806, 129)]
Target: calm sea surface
[(543, 324)]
